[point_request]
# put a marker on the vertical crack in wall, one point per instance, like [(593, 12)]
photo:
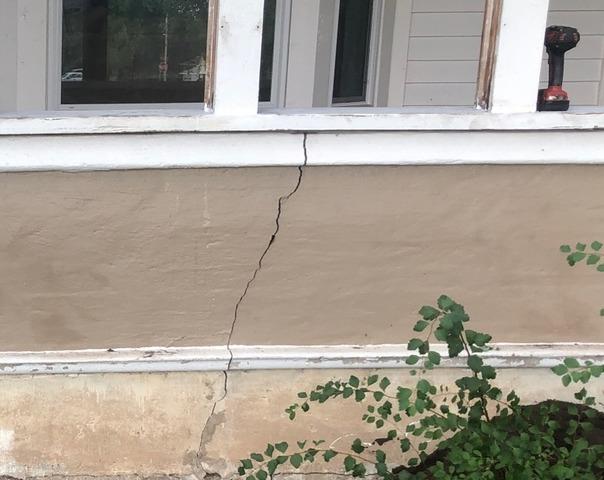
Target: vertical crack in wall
[(251, 281), (210, 423)]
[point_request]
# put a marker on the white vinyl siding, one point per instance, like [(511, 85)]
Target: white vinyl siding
[(583, 67), (444, 48)]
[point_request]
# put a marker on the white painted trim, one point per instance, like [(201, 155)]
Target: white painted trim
[(19, 153), (237, 63), (318, 120), (399, 53), (129, 152), (283, 11), (266, 357), (518, 56), (302, 50)]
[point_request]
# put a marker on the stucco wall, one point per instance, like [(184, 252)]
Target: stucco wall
[(167, 424), (142, 258)]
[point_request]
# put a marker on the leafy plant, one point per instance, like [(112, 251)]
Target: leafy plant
[(479, 432), (591, 255)]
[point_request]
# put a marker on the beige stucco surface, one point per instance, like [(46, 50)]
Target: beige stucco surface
[(159, 424), (142, 258)]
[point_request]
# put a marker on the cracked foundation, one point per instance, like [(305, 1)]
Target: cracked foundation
[(246, 256)]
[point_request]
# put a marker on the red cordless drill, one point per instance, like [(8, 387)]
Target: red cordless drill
[(558, 41)]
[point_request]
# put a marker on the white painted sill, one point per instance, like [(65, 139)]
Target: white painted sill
[(279, 357), (317, 120)]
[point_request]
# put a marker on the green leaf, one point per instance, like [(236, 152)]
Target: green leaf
[(423, 386), (602, 312), (296, 460), (475, 363), (359, 470), (282, 447), (359, 395), (328, 455), (372, 379), (444, 302), (593, 259), (301, 445), (380, 456), (565, 248), (302, 395), (405, 445), (428, 313), (412, 360), (434, 357), (414, 344), (269, 450), (560, 369), (581, 247), (566, 380), (601, 267), (261, 475), (353, 381), (349, 463), (421, 325), (575, 257), (247, 464), (384, 383), (272, 466), (257, 457), (571, 362), (596, 245), (357, 446)]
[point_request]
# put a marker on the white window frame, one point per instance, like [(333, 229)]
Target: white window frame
[(280, 52), (93, 140), (54, 67)]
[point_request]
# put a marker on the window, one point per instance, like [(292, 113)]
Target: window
[(352, 51), (133, 51), (379, 53)]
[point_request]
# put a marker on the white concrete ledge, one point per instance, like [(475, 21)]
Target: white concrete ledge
[(22, 153), (258, 357), (315, 120)]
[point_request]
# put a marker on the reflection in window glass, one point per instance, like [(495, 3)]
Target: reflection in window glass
[(352, 52), (133, 51)]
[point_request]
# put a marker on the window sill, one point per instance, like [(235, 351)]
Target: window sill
[(315, 120)]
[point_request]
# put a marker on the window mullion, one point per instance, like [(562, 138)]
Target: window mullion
[(518, 58), (236, 62)]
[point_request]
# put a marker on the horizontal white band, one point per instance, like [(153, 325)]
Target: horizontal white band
[(291, 120), (199, 359), (200, 150)]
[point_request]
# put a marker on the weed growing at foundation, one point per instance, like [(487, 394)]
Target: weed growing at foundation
[(591, 255), (473, 431)]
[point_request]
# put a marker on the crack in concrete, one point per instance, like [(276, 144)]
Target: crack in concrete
[(281, 202)]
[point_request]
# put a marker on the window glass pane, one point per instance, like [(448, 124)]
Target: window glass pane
[(268, 48), (352, 51), (133, 51)]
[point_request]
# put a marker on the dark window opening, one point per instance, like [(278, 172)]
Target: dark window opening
[(268, 50), (352, 51)]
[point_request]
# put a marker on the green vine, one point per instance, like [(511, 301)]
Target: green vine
[(478, 433), (592, 256)]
